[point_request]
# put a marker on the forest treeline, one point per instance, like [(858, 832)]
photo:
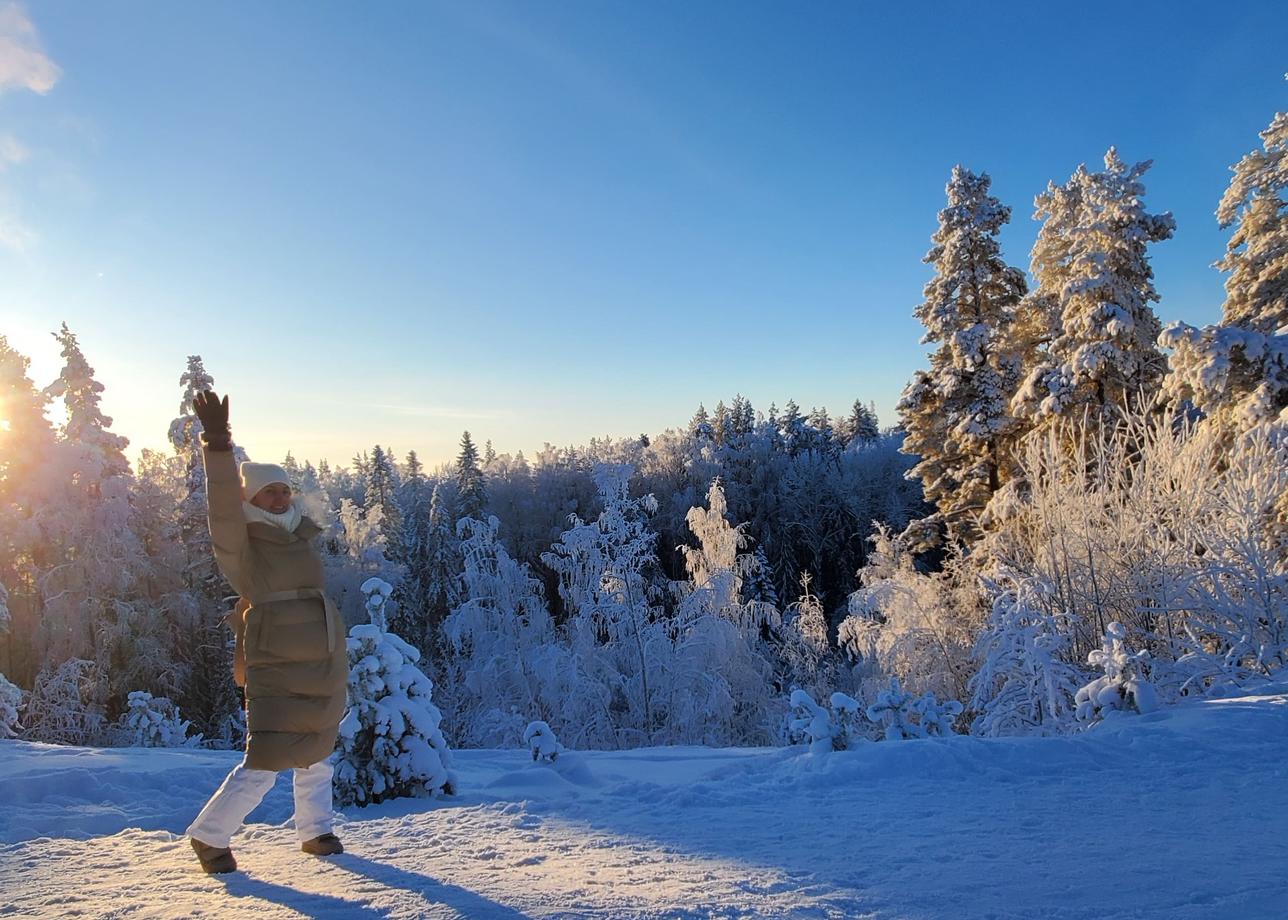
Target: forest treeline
[(1075, 504)]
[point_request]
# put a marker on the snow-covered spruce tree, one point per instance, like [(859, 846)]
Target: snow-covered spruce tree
[(13, 700), (862, 427), (96, 597), (381, 489), (152, 722), (1025, 683), (603, 571), (1123, 687), (62, 707), (471, 486), (504, 664), (1237, 371), (390, 745), (208, 694), (1104, 359), (957, 414)]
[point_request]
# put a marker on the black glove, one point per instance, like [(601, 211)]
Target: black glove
[(213, 413)]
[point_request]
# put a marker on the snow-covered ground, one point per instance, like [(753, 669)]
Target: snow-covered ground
[(1179, 814)]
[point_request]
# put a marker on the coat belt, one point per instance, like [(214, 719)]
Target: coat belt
[(306, 594)]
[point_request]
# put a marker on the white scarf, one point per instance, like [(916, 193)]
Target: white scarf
[(288, 520)]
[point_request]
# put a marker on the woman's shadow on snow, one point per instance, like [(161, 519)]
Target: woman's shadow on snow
[(462, 900)]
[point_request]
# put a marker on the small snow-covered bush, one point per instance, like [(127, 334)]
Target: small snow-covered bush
[(838, 729), (1024, 683), (390, 745), (541, 741), (811, 721), (893, 711), (11, 703), (61, 709), (903, 715), (1122, 687), (152, 721)]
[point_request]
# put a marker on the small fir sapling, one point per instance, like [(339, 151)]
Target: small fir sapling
[(812, 721), (541, 741), (1122, 687), (389, 744), (934, 717), (893, 710), (847, 718), (153, 721)]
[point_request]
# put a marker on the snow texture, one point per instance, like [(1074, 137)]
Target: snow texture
[(962, 827)]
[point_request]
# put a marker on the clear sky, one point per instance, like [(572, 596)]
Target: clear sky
[(546, 221)]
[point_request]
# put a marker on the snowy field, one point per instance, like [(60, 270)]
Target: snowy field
[(1180, 814)]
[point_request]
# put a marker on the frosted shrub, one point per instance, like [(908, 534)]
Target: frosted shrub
[(1170, 529), (541, 741), (152, 721), (61, 708), (390, 744), (934, 717), (503, 657), (893, 711), (916, 627), (848, 719), (811, 721), (11, 703), (1122, 687), (1024, 683)]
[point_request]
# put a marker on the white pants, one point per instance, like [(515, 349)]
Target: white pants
[(244, 789)]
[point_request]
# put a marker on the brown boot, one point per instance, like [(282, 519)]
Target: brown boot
[(326, 845), (214, 859)]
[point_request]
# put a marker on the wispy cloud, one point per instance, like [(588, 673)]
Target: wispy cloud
[(11, 151), (14, 234), (23, 62), (433, 411)]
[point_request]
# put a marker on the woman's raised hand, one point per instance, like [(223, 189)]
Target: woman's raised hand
[(213, 413)]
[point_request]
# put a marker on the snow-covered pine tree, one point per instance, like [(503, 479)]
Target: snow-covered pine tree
[(862, 427), (1104, 360), (1025, 683), (957, 414), (1237, 371), (792, 427), (471, 488), (390, 745)]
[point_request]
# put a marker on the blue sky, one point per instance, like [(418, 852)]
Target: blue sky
[(391, 222)]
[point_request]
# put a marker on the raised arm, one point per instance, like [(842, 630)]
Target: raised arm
[(223, 489)]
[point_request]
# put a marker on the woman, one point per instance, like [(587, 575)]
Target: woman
[(290, 651)]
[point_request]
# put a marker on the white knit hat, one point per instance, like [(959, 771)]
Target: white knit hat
[(257, 475)]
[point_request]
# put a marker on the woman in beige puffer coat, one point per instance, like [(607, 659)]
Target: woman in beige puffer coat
[(290, 646)]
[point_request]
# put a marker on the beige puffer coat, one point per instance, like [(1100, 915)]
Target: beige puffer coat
[(290, 638)]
